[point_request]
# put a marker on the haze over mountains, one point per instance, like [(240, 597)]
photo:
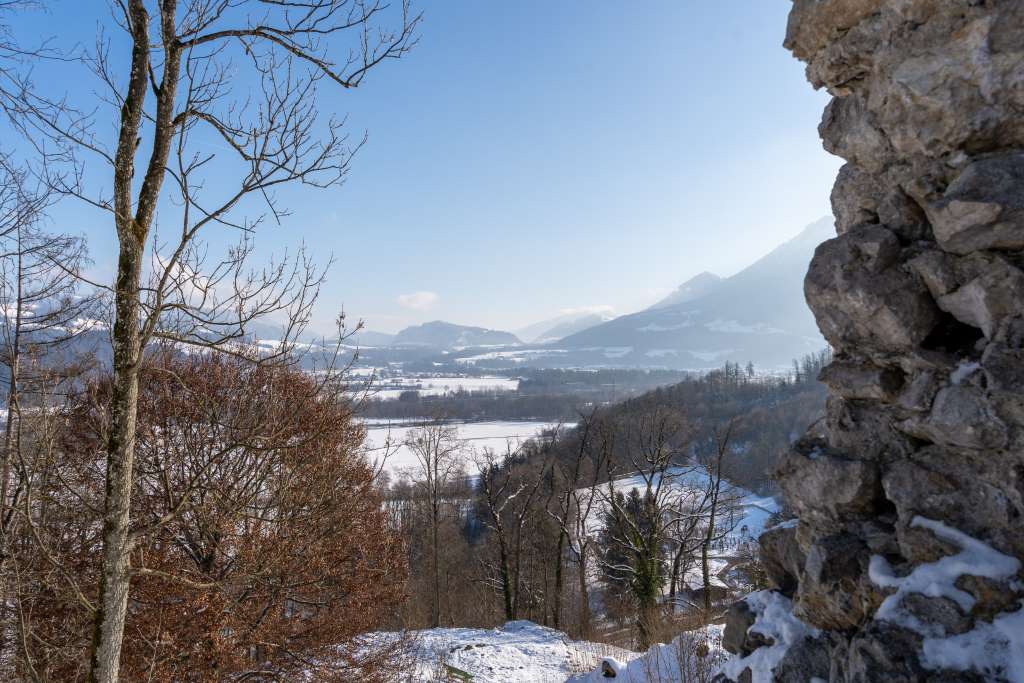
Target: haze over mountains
[(758, 314), (556, 328), (442, 335)]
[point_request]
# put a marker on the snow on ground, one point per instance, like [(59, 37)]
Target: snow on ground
[(518, 652), (691, 656), (524, 652), (496, 435)]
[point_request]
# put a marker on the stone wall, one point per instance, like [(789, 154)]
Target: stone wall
[(921, 295)]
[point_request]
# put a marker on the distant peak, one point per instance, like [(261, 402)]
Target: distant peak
[(697, 286)]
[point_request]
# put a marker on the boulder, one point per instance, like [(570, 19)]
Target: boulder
[(822, 487), (850, 286), (782, 558), (983, 208)]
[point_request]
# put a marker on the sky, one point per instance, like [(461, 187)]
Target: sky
[(538, 156)]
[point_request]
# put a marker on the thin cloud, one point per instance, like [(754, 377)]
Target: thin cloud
[(418, 301)]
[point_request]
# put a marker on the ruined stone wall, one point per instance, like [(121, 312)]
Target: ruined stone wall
[(921, 295)]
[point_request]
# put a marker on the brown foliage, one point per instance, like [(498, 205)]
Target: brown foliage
[(260, 545)]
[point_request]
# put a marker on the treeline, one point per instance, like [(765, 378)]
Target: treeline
[(595, 529), (476, 405)]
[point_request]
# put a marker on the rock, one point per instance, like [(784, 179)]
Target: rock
[(983, 208), (960, 416), (883, 653), (804, 661), (938, 612), (967, 490), (823, 487), (737, 637), (850, 285), (920, 393), (1004, 369), (988, 299), (782, 558), (937, 270), (854, 380), (921, 296), (835, 592)]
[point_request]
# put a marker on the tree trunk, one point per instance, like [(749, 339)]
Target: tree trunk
[(108, 629), (506, 581), (705, 547), (435, 613), (677, 562), (584, 598), (559, 579), (646, 623)]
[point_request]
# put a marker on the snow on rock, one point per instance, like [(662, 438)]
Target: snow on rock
[(776, 622), (691, 656), (938, 579), (992, 649), (963, 371), (995, 649)]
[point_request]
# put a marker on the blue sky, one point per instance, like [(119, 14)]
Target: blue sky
[(540, 155)]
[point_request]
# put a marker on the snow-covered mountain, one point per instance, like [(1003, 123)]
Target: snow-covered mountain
[(444, 336), (697, 286), (556, 328), (759, 315)]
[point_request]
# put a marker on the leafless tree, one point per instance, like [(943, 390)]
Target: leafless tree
[(580, 481), (439, 455), (183, 91), (653, 442), (722, 503), (42, 311), (508, 497)]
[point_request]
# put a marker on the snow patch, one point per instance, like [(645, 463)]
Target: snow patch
[(776, 621), (994, 649), (694, 655), (938, 579), (963, 371)]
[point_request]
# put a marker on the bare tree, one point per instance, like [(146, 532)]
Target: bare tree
[(183, 89), (721, 504), (638, 526), (580, 480), (41, 314), (508, 495), (439, 454)]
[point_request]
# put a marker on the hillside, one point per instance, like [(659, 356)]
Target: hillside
[(759, 314), (697, 286), (445, 336)]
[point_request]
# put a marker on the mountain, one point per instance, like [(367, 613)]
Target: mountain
[(694, 288), (368, 338), (447, 336), (556, 328), (759, 315)]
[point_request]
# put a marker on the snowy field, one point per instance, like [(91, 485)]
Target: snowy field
[(438, 386), (497, 435)]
